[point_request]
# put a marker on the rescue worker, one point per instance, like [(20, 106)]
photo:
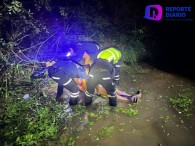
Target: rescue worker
[(65, 73), (84, 52), (102, 72), (113, 56)]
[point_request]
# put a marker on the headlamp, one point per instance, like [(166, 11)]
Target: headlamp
[(68, 54)]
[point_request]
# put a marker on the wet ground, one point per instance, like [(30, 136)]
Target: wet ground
[(156, 123)]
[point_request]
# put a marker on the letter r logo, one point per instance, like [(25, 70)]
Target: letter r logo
[(153, 12)]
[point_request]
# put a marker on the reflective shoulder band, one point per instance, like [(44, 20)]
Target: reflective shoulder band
[(117, 53), (99, 54), (113, 55)]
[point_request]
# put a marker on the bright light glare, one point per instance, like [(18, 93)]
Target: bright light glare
[(68, 54)]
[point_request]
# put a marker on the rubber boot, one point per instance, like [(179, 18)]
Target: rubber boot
[(73, 101), (88, 101)]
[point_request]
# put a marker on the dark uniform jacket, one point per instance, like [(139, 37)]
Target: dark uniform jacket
[(63, 70)]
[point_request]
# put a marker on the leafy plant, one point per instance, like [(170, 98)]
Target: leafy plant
[(29, 122), (106, 131), (134, 53), (182, 103), (130, 111), (165, 118)]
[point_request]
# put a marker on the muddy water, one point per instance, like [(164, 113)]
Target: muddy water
[(156, 123)]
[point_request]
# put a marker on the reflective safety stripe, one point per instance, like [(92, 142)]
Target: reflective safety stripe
[(74, 95), (109, 59), (112, 96), (98, 47), (116, 76), (99, 54), (88, 94), (112, 56), (117, 79), (117, 66), (117, 53), (106, 78), (55, 78), (90, 75), (67, 82)]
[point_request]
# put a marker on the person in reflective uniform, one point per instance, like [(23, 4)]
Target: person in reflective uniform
[(102, 72), (65, 73), (113, 56), (84, 52)]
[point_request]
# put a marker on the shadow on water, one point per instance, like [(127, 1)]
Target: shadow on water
[(156, 123)]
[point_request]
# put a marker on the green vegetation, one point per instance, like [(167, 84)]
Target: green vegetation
[(105, 131), (36, 120), (31, 30), (166, 118), (130, 110), (27, 122), (182, 103)]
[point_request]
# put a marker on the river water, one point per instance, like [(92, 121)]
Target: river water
[(156, 123)]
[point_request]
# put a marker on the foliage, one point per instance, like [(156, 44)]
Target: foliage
[(28, 32), (71, 141), (165, 118), (182, 103), (129, 111), (30, 121), (134, 53), (106, 131), (19, 31)]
